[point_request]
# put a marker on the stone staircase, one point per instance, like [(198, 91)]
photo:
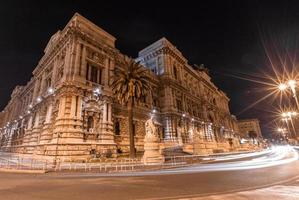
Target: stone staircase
[(174, 151)]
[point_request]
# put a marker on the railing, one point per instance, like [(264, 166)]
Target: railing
[(104, 165)]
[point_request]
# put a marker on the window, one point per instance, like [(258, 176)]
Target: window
[(175, 72), (155, 102), (93, 74), (179, 105), (89, 124), (143, 99), (48, 82), (154, 70), (117, 128), (60, 73)]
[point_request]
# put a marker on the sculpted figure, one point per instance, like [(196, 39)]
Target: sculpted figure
[(191, 134), (180, 139), (150, 130)]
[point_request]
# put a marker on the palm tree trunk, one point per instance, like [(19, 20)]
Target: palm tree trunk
[(131, 131)]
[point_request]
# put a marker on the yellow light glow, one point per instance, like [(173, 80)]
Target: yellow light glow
[(292, 83), (282, 86)]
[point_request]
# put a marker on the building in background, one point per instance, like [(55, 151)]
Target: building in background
[(250, 128), (67, 109)]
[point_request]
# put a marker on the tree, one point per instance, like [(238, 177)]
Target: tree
[(130, 83)]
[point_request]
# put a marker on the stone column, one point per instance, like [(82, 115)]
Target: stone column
[(73, 106), (79, 109), (35, 91), (168, 129), (83, 63), (67, 67), (36, 121), (77, 60), (106, 72), (49, 114), (105, 113), (109, 113), (54, 72), (61, 107), (42, 87)]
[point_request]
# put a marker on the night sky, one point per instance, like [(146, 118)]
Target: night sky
[(228, 37)]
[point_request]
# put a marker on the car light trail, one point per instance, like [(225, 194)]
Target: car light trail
[(273, 157)]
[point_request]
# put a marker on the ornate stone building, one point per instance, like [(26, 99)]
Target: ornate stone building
[(67, 108), (249, 125)]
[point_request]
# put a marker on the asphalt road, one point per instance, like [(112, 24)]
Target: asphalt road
[(224, 175)]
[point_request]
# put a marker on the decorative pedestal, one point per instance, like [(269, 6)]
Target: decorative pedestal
[(152, 154)]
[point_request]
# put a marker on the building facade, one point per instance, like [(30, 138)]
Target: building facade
[(249, 125), (68, 109)]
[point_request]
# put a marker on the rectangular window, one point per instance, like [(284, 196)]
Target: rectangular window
[(94, 74), (100, 76), (87, 72), (76, 108), (179, 105)]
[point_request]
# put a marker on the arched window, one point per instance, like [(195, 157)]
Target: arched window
[(214, 101), (89, 123), (48, 82)]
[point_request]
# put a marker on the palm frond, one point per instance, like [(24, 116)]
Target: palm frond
[(130, 80)]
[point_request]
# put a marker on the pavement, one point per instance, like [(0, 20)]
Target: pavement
[(289, 191), (271, 174)]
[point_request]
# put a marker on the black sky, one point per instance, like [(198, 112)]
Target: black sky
[(229, 37)]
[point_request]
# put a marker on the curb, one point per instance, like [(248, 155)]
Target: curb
[(23, 171)]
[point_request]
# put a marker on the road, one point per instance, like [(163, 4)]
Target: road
[(226, 174)]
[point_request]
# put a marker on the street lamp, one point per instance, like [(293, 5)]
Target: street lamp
[(292, 85), (282, 86), (286, 116)]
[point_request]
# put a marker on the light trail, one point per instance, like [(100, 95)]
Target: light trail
[(279, 155)]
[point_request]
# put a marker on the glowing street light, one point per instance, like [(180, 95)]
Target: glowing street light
[(282, 86), (289, 114), (38, 99), (286, 116), (282, 130), (97, 91), (50, 90), (292, 83)]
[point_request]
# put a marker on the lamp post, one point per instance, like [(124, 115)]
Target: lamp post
[(283, 132), (292, 85), (289, 116)]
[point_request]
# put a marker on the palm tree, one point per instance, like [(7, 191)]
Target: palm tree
[(130, 83)]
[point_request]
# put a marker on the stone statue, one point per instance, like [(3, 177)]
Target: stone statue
[(150, 131), (152, 153), (191, 134), (180, 139)]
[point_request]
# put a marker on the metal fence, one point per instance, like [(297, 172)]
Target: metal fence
[(104, 165)]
